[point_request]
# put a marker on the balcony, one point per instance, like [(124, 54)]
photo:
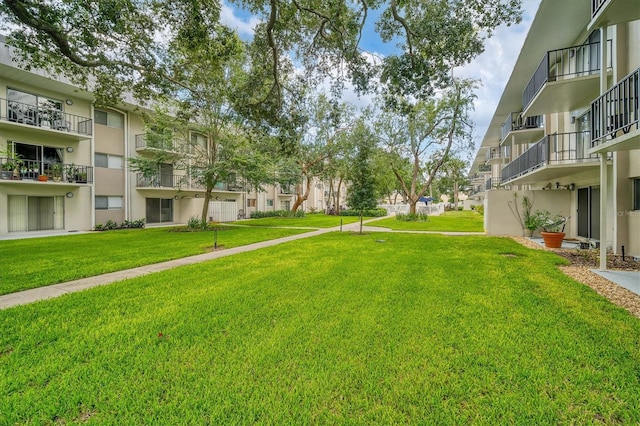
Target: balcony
[(28, 171), (611, 12), (521, 130), (173, 145), (565, 80), (615, 116), (553, 157), (492, 183), (20, 115), (498, 155), (173, 182)]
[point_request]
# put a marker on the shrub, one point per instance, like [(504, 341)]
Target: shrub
[(369, 213), (412, 217), (111, 225), (277, 213), (460, 208), (480, 209), (196, 224)]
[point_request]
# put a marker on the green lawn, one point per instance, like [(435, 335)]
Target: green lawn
[(335, 329), (455, 221), (35, 262), (308, 221)]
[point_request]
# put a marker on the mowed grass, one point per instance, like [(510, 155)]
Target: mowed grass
[(454, 221), (36, 262), (308, 221), (335, 329)]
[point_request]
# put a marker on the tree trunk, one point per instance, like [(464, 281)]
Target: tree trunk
[(360, 222), (302, 197), (455, 194), (205, 206), (412, 206)]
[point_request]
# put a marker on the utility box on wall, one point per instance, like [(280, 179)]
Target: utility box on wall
[(223, 211)]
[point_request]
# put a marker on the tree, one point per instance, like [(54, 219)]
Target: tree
[(318, 141), (416, 131), (452, 176), (123, 45), (220, 148), (361, 195)]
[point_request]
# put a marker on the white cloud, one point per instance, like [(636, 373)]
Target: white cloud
[(493, 67), (244, 27)]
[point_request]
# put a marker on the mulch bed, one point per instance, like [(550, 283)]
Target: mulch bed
[(582, 261)]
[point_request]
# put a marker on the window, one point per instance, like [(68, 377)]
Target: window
[(269, 202), (109, 118), (108, 203), (32, 109), (636, 194), (198, 139), (251, 202), (109, 161)]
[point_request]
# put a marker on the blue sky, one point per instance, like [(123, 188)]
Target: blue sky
[(492, 68)]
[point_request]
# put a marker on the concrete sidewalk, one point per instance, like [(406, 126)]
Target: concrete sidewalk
[(55, 290)]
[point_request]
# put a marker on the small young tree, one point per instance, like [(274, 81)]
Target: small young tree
[(362, 189)]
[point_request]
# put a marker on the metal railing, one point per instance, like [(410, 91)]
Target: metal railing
[(44, 117), (574, 61), (616, 110), (596, 5), (515, 121), (12, 169), (173, 144), (503, 152), (552, 149), (163, 180), (492, 183)]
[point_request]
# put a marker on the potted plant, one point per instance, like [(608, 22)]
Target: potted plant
[(552, 228), (56, 168), (11, 166), (72, 172), (529, 219)]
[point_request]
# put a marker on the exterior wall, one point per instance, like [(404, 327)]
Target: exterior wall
[(500, 217)]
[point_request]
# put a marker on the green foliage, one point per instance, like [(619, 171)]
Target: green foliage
[(362, 195), (377, 212), (420, 329), (277, 213), (453, 221), (127, 224), (412, 217), (547, 222), (36, 262), (480, 209), (196, 224)]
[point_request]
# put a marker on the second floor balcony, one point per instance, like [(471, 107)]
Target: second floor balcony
[(168, 181), (554, 156), (518, 129), (492, 183), (45, 119), (615, 116), (613, 12), (565, 79)]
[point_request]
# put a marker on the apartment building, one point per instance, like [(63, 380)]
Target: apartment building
[(566, 130), (63, 164)]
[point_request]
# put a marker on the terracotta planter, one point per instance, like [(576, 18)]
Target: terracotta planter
[(552, 239), (43, 178)]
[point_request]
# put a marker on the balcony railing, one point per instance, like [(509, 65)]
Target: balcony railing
[(552, 149), (503, 152), (492, 183), (12, 169), (174, 144), (596, 5), (575, 61), (515, 121), (616, 110), (43, 117), (184, 182)]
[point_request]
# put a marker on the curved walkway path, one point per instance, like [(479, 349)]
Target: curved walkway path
[(55, 290)]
